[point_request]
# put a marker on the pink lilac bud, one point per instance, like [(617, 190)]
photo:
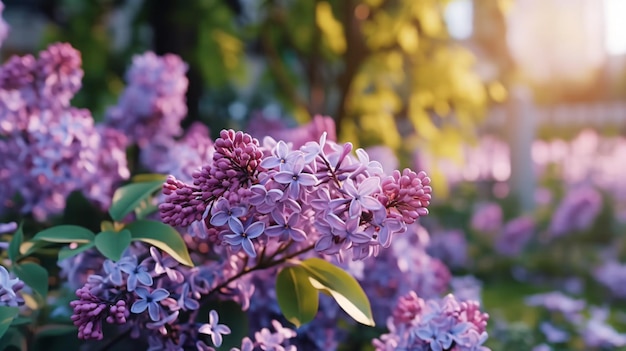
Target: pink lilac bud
[(90, 311), (408, 307), (183, 204), (407, 194)]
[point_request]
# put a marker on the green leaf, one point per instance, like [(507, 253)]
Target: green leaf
[(297, 298), (34, 276), (16, 242), (149, 177), (67, 252), (29, 247), (13, 339), (21, 321), (127, 198), (342, 287), (54, 330), (163, 237), (231, 315), (65, 234), (145, 208), (112, 244), (7, 314)]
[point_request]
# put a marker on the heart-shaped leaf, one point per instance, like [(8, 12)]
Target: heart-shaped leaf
[(297, 298), (163, 237), (342, 287), (112, 244)]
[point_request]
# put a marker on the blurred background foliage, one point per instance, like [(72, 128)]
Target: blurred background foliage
[(387, 71)]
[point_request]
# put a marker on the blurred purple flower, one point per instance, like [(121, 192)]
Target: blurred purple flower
[(515, 235), (487, 218), (577, 211), (153, 103)]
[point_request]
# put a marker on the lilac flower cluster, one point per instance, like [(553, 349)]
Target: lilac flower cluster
[(434, 325), (48, 148), (576, 212), (137, 295), (153, 103), (612, 275), (318, 194), (404, 267), (567, 318), (514, 236)]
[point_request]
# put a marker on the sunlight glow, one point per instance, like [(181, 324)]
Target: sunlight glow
[(615, 26), (458, 15)]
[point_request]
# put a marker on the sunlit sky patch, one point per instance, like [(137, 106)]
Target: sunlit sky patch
[(615, 26)]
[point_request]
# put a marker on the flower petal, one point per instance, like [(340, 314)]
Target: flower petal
[(139, 306), (248, 247)]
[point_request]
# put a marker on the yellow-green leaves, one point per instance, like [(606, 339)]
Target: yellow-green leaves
[(342, 287), (297, 291), (331, 28), (297, 298)]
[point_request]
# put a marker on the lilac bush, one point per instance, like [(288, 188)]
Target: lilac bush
[(54, 147)]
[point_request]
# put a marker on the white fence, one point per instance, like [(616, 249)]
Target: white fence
[(520, 120)]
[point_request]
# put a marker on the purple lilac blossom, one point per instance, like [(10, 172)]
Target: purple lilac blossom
[(182, 157), (404, 267), (467, 288), (262, 126), (214, 329), (153, 103), (48, 148), (487, 218), (612, 275), (8, 227), (576, 212), (435, 324), (514, 236), (450, 246), (344, 204), (597, 333), (556, 301), (225, 214)]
